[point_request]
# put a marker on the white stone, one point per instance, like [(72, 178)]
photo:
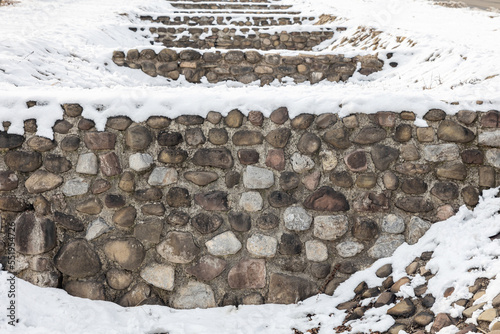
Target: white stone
[(349, 248), (97, 228), (441, 152), (301, 163), (491, 138), (159, 275), (393, 224), (297, 219), (416, 229), (493, 157), (223, 244), (330, 227), (258, 178), (87, 164), (140, 161), (251, 201), (328, 160), (163, 176), (75, 186), (316, 251), (262, 245), (194, 295), (386, 245)]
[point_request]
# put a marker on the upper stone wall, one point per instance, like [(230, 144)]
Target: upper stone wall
[(199, 212)]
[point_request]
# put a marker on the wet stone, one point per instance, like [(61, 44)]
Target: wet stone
[(338, 138), (207, 268), (214, 117), (34, 235), (119, 123), (69, 222), (356, 161), (206, 224), (383, 156), (138, 138), (77, 259), (155, 209), (212, 201), (369, 135), (234, 119), (41, 144), (169, 138), (24, 162), (172, 156), (320, 270), (216, 157), (87, 164), (178, 197), (136, 296), (326, 199), (279, 116), (440, 321), (218, 136), (411, 169), (454, 132), (70, 143), (289, 180), (8, 181), (42, 181), (342, 179), (278, 138), (413, 186), (148, 195), (99, 140), (178, 247), (223, 244), (414, 204)]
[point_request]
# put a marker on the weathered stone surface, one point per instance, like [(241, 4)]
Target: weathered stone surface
[(110, 164), (138, 138), (10, 141), (91, 206), (267, 221), (118, 279), (316, 251), (248, 156), (214, 117), (119, 123), (425, 135), (311, 181), (466, 117), (155, 209), (169, 138), (366, 180), (163, 176), (138, 294), (89, 290), (8, 181), (125, 217), (383, 156), (70, 143), (278, 138), (309, 143), (385, 245), (412, 169), (223, 244), (208, 268), (326, 199), (99, 140), (240, 221), (342, 179), (201, 178), (301, 163), (454, 132), (248, 274), (68, 222), (280, 199), (34, 235), (87, 164), (284, 289), (404, 308), (409, 152), (356, 161), (326, 120), (256, 118), (218, 136), (444, 212), (212, 201), (190, 120), (491, 119), (159, 275), (232, 179), (42, 181), (290, 244), (414, 204), (177, 218), (302, 121), (251, 201), (75, 187), (41, 144), (493, 157), (369, 135), (365, 229), (62, 126), (445, 191), (338, 138), (276, 159), (441, 152), (413, 186), (97, 228), (330, 227), (247, 138), (258, 178), (85, 124), (127, 252), (297, 219), (178, 197), (77, 259), (393, 224), (195, 137), (279, 116), (140, 161), (441, 321), (472, 156), (349, 248), (451, 170), (56, 164), (72, 109), (261, 245), (149, 232), (206, 224), (194, 295), (150, 194), (435, 115), (213, 157), (24, 162), (416, 229)]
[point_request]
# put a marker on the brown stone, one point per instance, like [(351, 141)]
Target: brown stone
[(214, 117), (441, 321), (414, 204), (232, 179), (256, 118), (248, 274), (445, 191), (383, 156), (289, 180), (190, 120), (247, 138), (119, 123), (240, 221), (284, 289), (205, 223), (172, 156), (309, 143), (276, 159), (425, 135), (72, 109), (472, 156), (280, 199), (365, 229), (341, 179), (366, 181), (248, 156), (8, 181), (89, 290), (326, 199), (125, 217), (412, 169), (409, 152), (369, 135), (113, 201), (487, 177), (178, 197), (467, 117), (311, 181), (42, 206), (414, 186), (351, 122), (155, 209), (404, 308), (201, 178), (85, 124), (491, 119), (99, 140), (212, 201), (56, 164), (213, 157), (234, 119), (77, 259), (390, 180), (384, 271), (278, 137), (118, 279), (91, 206), (435, 115), (403, 133), (195, 137), (69, 222), (24, 162), (218, 136), (356, 161), (470, 195), (338, 138), (149, 232), (279, 116), (451, 170), (127, 182), (386, 119), (41, 144), (302, 121), (42, 181), (208, 268), (70, 143), (138, 138), (169, 138), (178, 247), (110, 164), (34, 235), (454, 132), (267, 221), (127, 252), (10, 141), (158, 122)]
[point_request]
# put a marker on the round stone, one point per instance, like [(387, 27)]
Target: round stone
[(262, 245), (393, 224), (316, 251), (297, 219), (301, 163), (251, 201)]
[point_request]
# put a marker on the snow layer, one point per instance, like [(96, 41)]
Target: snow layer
[(463, 251)]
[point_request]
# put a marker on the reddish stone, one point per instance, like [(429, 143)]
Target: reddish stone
[(248, 156), (326, 199), (110, 164), (472, 157), (441, 321), (356, 161), (276, 159), (311, 181), (256, 118), (248, 274), (208, 268), (491, 119), (386, 118), (100, 140)]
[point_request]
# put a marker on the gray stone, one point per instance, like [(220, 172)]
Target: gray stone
[(75, 187), (97, 228), (316, 251), (493, 157), (194, 295), (162, 176), (385, 245), (416, 229), (140, 161), (34, 235), (248, 274), (261, 245), (159, 275), (301, 163), (128, 252), (87, 164), (223, 244), (258, 178), (349, 248), (77, 259), (251, 201), (441, 152), (297, 219), (491, 139), (330, 227), (383, 156), (178, 247), (393, 224)]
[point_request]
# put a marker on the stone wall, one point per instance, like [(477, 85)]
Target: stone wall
[(245, 66), (230, 39), (225, 19), (199, 212)]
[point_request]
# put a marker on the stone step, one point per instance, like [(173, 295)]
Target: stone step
[(228, 6), (217, 1), (246, 12), (236, 20)]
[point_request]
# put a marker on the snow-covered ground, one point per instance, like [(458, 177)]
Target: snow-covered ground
[(463, 252), (55, 51)]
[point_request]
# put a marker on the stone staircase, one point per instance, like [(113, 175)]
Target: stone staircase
[(214, 30)]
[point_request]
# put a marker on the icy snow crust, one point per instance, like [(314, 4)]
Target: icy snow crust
[(59, 51), (463, 251)]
